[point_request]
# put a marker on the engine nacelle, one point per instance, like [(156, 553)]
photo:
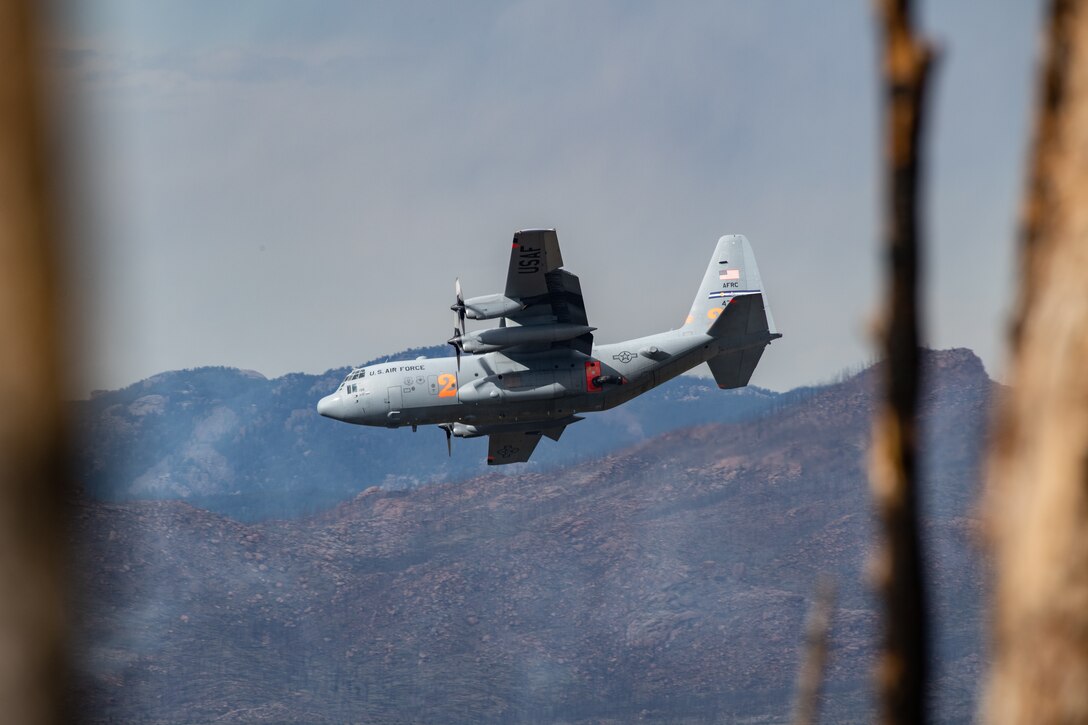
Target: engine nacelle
[(488, 307), (499, 338), (488, 392), (463, 430)]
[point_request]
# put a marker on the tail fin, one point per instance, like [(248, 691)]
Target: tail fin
[(732, 306), (732, 272)]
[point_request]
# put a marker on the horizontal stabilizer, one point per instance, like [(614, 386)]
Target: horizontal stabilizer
[(743, 320), (743, 332), (734, 369)]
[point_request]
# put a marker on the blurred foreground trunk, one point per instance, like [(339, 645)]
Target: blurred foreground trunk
[(31, 454), (901, 674), (1037, 498)]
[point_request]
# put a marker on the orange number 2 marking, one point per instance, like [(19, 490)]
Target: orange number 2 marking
[(448, 381)]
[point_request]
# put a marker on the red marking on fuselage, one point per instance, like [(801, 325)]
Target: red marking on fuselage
[(593, 370)]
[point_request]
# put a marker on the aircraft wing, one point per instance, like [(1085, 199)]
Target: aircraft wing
[(510, 447), (550, 294), (533, 254)]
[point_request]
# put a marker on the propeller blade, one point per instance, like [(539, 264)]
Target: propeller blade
[(449, 435), (459, 307), (456, 342)]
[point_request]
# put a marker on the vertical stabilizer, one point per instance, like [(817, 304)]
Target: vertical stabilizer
[(732, 272)]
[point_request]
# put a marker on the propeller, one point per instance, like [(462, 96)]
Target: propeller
[(459, 305), (456, 342), (448, 427), (458, 308)]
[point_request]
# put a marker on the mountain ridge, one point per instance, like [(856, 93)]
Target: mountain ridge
[(255, 448), (663, 582)]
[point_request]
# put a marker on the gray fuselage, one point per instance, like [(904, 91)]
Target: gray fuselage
[(509, 388)]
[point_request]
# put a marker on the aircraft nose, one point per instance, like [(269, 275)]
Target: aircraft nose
[(329, 406)]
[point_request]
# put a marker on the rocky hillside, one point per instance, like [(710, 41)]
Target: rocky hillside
[(236, 443), (666, 582)]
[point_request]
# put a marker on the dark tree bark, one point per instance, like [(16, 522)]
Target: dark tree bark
[(31, 451), (901, 674)]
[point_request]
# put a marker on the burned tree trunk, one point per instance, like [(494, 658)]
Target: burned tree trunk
[(1037, 496), (901, 674), (31, 453)]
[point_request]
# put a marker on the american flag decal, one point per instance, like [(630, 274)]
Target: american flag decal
[(728, 274)]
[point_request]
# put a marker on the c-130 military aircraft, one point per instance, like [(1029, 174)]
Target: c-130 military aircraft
[(533, 374)]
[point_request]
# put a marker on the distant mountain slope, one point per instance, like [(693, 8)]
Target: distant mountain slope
[(234, 442), (663, 583)]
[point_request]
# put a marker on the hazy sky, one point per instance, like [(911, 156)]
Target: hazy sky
[(294, 186)]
